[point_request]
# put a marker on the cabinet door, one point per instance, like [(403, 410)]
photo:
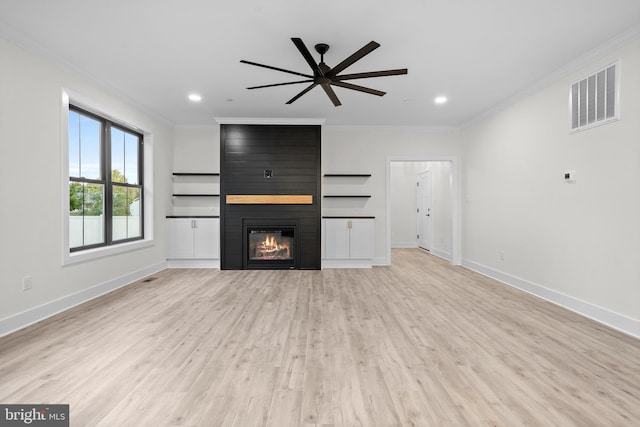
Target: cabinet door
[(180, 238), (207, 238), (336, 239), (361, 239)]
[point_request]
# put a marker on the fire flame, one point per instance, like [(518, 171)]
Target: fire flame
[(271, 247)]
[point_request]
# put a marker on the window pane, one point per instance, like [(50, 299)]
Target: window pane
[(124, 156), (126, 213), (86, 207), (131, 158), (93, 214), (90, 158), (74, 144), (134, 223), (76, 213), (117, 155)]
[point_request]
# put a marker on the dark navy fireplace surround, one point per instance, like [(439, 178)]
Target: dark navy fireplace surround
[(272, 160)]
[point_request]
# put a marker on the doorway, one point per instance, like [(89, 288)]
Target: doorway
[(402, 206)]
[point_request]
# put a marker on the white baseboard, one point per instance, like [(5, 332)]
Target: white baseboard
[(22, 320), (380, 262), (609, 318), (193, 263), (440, 253), (346, 263), (414, 245), (404, 245)]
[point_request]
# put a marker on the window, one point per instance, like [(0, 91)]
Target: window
[(105, 182), (594, 99)]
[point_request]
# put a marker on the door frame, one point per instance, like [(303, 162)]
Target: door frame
[(419, 214), (455, 220)]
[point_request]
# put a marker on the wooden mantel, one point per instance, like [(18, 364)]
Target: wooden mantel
[(269, 199)]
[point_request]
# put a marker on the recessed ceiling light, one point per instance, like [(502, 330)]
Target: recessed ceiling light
[(195, 97), (440, 100)]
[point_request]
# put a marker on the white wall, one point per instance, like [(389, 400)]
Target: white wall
[(366, 150), (577, 244), (442, 208), (31, 186), (196, 149)]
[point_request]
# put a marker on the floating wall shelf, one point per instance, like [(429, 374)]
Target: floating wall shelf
[(196, 195), (193, 216), (360, 196), (196, 174), (349, 217), (347, 175)]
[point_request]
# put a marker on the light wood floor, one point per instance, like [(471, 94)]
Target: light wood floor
[(420, 343)]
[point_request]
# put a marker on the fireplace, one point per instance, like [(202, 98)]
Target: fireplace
[(268, 245), (270, 181)]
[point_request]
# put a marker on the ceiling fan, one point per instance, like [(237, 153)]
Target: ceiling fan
[(325, 76)]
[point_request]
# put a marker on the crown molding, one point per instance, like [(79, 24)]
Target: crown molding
[(563, 72), (395, 129), (28, 45), (268, 121)]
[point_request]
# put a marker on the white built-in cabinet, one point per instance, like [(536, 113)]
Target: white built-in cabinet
[(194, 225), (194, 242), (348, 242)]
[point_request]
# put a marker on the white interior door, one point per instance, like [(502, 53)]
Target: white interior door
[(423, 211)]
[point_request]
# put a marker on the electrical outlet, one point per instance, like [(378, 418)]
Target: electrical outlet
[(26, 283), (501, 255)]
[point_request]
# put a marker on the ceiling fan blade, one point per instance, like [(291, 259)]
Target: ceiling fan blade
[(331, 94), (358, 88), (308, 88), (371, 74), (280, 84), (307, 55), (359, 54), (275, 68)]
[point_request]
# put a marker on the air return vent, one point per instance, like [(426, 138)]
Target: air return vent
[(594, 99)]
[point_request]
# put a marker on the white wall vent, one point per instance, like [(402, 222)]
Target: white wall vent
[(593, 100)]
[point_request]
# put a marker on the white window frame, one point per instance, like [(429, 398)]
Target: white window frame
[(68, 257)]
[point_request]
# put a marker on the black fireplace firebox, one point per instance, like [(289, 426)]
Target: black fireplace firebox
[(268, 245)]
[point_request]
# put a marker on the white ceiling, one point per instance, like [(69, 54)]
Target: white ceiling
[(478, 53)]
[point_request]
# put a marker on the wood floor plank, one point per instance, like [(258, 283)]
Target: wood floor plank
[(419, 343)]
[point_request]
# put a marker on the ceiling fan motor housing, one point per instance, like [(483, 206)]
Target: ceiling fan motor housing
[(322, 48)]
